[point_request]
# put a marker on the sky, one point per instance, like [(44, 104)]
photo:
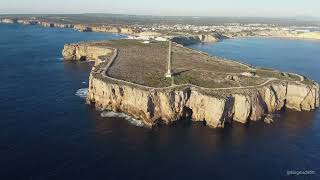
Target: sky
[(256, 8)]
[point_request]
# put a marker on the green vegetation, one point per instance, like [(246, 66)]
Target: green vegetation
[(157, 80), (140, 63)]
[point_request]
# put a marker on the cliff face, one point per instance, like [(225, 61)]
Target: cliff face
[(188, 40), (171, 104), (208, 38), (8, 21), (104, 28), (108, 29), (82, 28), (55, 25), (85, 52)]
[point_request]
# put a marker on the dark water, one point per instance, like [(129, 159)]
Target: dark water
[(47, 132)]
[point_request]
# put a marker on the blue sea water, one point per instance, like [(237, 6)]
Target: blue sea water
[(299, 56), (47, 132)]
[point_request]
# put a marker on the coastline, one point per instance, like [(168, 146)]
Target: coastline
[(51, 133), (222, 105), (250, 102), (186, 39)]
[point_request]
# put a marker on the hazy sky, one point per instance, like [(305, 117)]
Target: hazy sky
[(267, 8)]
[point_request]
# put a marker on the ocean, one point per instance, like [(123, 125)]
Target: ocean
[(48, 132)]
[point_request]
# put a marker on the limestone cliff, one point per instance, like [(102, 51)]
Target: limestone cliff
[(8, 20), (171, 104), (193, 39), (54, 25), (82, 28), (215, 107), (106, 28), (85, 52)]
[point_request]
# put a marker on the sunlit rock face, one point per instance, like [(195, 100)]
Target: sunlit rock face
[(83, 52), (193, 39), (170, 104)]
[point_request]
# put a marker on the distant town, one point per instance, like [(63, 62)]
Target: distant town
[(163, 31)]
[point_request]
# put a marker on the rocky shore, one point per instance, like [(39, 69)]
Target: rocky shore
[(214, 106), (171, 104)]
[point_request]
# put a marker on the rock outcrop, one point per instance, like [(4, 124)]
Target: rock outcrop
[(171, 104), (8, 20), (55, 25), (74, 52), (201, 38), (106, 29), (34, 21), (28, 21), (82, 28), (215, 107)]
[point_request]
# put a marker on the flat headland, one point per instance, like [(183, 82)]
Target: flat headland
[(130, 76)]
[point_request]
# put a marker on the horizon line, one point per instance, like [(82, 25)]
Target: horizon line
[(200, 16)]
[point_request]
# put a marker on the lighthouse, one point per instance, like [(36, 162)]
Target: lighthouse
[(169, 71)]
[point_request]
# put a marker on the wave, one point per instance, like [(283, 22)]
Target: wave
[(82, 92), (110, 114)]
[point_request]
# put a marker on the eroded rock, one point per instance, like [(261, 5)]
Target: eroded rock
[(166, 105), (78, 52)]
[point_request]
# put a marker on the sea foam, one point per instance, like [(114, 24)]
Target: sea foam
[(110, 114), (82, 92)]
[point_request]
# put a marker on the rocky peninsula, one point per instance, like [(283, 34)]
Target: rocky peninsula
[(129, 76)]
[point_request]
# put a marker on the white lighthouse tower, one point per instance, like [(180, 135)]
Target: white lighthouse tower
[(169, 71)]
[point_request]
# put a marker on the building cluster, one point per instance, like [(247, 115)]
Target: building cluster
[(147, 38), (225, 28)]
